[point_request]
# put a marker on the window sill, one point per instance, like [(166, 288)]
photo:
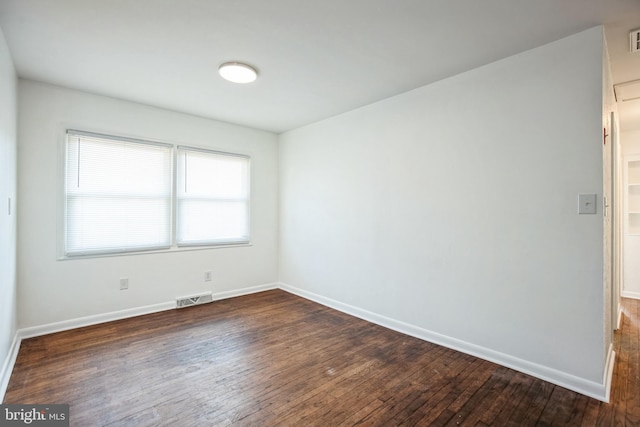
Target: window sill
[(173, 249)]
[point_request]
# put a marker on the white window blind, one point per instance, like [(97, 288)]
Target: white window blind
[(118, 194), (212, 197)]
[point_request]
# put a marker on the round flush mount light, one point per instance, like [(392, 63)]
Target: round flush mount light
[(237, 72)]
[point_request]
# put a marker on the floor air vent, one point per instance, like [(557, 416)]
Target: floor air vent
[(193, 300)]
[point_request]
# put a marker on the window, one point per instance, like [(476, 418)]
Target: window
[(119, 196), (213, 197)]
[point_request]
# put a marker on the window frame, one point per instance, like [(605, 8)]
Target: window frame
[(174, 247)]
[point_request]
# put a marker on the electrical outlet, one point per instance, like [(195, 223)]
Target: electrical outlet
[(124, 284), (207, 276)]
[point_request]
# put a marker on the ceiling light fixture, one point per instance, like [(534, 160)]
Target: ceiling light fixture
[(237, 72)]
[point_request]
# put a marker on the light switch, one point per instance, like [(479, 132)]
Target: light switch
[(586, 203)]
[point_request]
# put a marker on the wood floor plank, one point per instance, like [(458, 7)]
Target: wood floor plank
[(563, 400), (631, 394), (273, 359), (436, 411), (366, 389), (370, 388), (621, 373), (578, 411), (471, 393), (506, 401), (482, 401), (432, 400), (517, 402), (531, 409), (405, 388), (591, 412)]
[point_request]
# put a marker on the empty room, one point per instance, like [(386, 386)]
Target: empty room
[(367, 212)]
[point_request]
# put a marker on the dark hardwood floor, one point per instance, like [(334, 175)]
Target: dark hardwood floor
[(276, 359)]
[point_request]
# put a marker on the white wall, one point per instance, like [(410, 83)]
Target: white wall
[(630, 143), (453, 208), (8, 107), (51, 290)]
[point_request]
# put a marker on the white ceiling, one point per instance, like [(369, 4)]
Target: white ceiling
[(317, 58)]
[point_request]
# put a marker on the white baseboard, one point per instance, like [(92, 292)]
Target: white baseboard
[(589, 388), (630, 294), (7, 366), (608, 373), (245, 291), (619, 318), (65, 325)]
